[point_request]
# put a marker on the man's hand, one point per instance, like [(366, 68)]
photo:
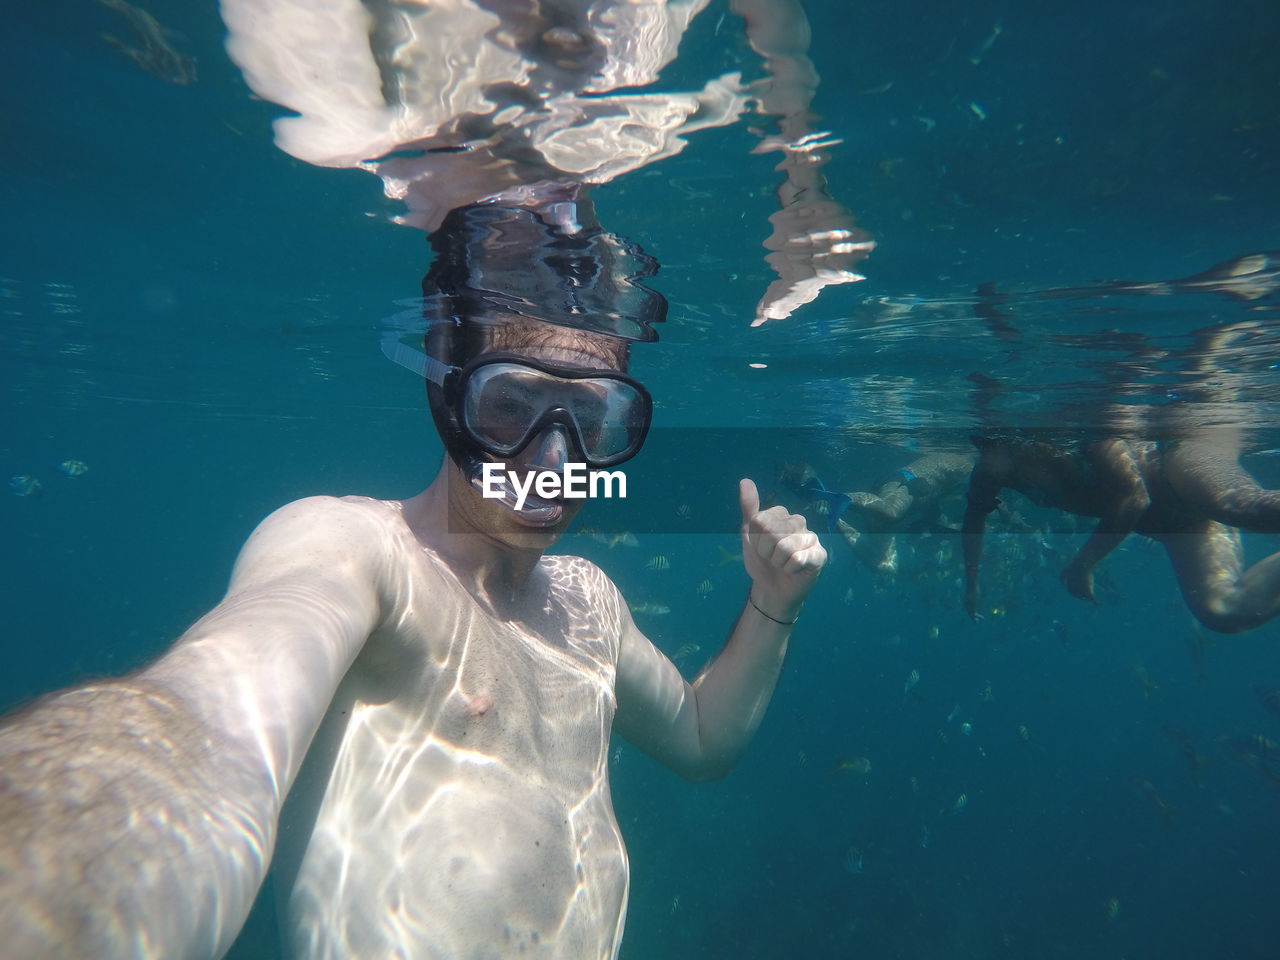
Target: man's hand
[(1078, 579), (782, 555), (971, 604)]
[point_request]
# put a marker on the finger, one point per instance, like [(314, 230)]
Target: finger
[(808, 560), (777, 522), (788, 546), (748, 499)]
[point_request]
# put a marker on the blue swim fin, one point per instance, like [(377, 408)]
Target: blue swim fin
[(837, 502)]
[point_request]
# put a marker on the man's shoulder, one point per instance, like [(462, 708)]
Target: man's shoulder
[(589, 596), (335, 509), (577, 573), (320, 528), (571, 564)]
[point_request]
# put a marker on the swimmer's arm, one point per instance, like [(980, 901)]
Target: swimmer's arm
[(700, 729), (985, 485), (138, 816), (1126, 500)]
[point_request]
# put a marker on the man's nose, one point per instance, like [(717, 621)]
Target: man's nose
[(550, 448)]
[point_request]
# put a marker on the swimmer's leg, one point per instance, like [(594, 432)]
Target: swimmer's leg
[(1207, 562), (877, 552), (1210, 480), (891, 502), (881, 552)]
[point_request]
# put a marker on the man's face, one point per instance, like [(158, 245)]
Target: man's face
[(521, 511)]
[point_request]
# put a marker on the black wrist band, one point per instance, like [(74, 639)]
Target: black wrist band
[(781, 623)]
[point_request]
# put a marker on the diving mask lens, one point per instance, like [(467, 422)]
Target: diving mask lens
[(506, 403)]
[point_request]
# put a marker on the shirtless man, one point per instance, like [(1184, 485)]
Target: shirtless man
[(433, 695), (908, 501), (1189, 495)]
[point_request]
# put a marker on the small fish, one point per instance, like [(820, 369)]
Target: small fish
[(1023, 733), (686, 650), (156, 53), (978, 111), (675, 903), (611, 540), (860, 765), (1265, 746), (74, 468), (727, 557), (962, 801), (926, 837), (1149, 686), (849, 596), (986, 44), (935, 632), (853, 861), (986, 696), (684, 511), (1269, 697), (876, 90), (912, 679), (966, 728), (955, 711), (802, 758), (1196, 647), (25, 486), (1259, 752), (1187, 747), (658, 563), (705, 587), (615, 757), (1149, 788), (650, 609), (1112, 908)]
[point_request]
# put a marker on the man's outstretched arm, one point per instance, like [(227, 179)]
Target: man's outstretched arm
[(138, 815), (700, 729)]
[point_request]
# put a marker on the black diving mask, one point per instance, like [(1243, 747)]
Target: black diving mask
[(502, 401)]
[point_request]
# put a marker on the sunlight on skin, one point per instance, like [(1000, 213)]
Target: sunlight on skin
[(206, 863), (487, 777)]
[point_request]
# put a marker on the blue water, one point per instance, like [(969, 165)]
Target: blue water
[(195, 316)]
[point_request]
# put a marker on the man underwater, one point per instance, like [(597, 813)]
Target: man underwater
[(1190, 495), (910, 500), (432, 693)]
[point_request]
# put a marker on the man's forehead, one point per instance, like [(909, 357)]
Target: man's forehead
[(555, 344), (568, 357)]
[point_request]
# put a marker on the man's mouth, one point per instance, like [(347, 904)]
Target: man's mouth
[(534, 510)]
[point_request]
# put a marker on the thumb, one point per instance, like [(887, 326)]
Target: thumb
[(748, 499)]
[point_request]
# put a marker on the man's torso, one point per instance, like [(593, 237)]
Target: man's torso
[(458, 787)]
